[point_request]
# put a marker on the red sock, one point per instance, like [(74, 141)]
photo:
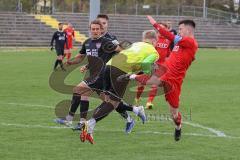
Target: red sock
[(139, 91), (143, 78), (178, 120), (152, 94)]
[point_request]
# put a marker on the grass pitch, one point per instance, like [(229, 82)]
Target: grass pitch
[(210, 94)]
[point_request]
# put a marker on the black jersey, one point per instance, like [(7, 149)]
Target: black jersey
[(99, 52), (101, 47), (60, 39), (111, 37)]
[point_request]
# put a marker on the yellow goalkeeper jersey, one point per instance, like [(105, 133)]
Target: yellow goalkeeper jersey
[(139, 57)]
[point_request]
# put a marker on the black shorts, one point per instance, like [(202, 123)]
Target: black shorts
[(96, 81), (112, 86), (60, 51)]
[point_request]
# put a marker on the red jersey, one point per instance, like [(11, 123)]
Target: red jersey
[(163, 49), (181, 56), (70, 34)]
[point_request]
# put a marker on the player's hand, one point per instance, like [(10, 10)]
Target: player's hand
[(83, 69), (151, 20)]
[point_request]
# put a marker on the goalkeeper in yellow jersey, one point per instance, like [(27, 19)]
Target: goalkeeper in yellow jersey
[(139, 57)]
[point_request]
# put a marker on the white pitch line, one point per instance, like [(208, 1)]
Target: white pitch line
[(196, 125), (217, 132), (29, 105), (104, 130)]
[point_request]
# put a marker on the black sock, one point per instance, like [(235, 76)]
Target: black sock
[(84, 105), (124, 107), (103, 110), (100, 118), (76, 98), (56, 64)]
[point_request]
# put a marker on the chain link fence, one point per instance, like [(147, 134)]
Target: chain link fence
[(82, 6)]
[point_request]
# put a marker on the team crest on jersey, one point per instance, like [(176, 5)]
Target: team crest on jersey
[(98, 45), (176, 48)]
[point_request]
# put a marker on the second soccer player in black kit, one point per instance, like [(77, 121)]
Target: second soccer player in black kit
[(60, 39), (98, 51)]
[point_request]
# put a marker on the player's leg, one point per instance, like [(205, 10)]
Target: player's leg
[(100, 112), (80, 97), (118, 89), (81, 90), (151, 96), (58, 52), (67, 54), (173, 99), (61, 58), (140, 89)]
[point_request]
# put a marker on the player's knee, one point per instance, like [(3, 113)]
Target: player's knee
[(174, 111), (114, 102), (84, 98), (60, 58), (75, 89)]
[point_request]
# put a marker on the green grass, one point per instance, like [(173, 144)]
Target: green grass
[(211, 90)]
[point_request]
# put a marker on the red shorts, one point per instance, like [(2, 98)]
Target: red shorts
[(173, 91)]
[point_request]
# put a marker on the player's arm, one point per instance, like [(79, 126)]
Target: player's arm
[(176, 39), (109, 46), (80, 56), (66, 41), (161, 30), (77, 59), (53, 38)]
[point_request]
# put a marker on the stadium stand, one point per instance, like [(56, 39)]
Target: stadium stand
[(26, 30)]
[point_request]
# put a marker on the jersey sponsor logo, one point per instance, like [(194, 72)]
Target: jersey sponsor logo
[(175, 49), (61, 38), (98, 45), (162, 45), (93, 52)]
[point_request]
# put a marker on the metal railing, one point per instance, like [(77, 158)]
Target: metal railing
[(130, 9), (210, 13)]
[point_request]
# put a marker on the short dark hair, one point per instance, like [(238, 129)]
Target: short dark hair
[(188, 22), (103, 16), (60, 23), (96, 22)]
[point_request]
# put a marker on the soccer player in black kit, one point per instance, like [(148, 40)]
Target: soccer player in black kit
[(60, 39), (93, 49), (98, 50)]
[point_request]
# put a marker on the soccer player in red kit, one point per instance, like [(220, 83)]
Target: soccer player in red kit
[(163, 49), (70, 37), (181, 57)]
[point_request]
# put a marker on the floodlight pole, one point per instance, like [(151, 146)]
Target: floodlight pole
[(19, 6), (204, 8), (94, 10)]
